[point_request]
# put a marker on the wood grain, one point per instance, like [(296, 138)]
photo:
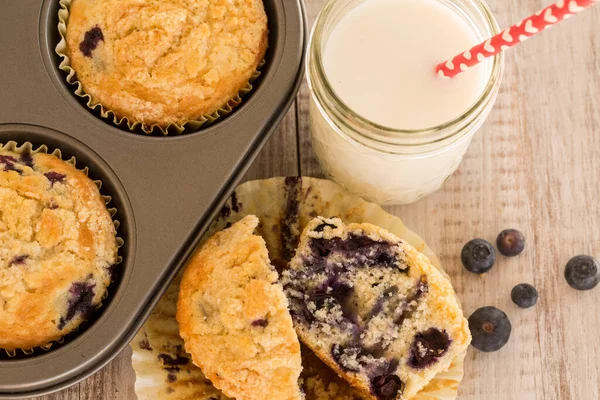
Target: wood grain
[(534, 166)]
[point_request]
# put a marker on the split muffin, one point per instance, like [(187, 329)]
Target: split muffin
[(233, 316), (57, 249), (373, 308), (163, 62)]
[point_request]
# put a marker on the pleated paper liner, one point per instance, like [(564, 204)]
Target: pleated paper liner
[(123, 122), (25, 148), (284, 206)]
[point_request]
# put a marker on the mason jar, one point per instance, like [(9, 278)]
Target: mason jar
[(382, 164)]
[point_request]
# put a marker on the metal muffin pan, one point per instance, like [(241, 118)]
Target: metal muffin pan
[(167, 190)]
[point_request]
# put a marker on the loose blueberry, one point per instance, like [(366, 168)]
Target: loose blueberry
[(524, 295), (90, 41), (490, 328), (510, 242), (582, 272), (428, 347), (387, 386), (478, 256)]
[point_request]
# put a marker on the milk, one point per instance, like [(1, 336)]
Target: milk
[(379, 58)]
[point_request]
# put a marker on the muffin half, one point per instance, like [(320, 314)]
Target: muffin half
[(234, 318), (373, 308)]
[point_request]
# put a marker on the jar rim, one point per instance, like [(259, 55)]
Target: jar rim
[(388, 135)]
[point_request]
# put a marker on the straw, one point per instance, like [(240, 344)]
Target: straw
[(517, 33)]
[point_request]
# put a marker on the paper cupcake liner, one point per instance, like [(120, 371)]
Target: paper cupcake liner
[(27, 147), (192, 125), (284, 206)]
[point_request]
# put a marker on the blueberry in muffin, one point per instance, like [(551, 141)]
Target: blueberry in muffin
[(57, 249), (233, 316), (373, 308)]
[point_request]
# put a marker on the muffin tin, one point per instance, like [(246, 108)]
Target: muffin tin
[(167, 189)]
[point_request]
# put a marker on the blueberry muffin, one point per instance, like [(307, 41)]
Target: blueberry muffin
[(234, 319), (373, 308), (162, 62), (57, 249)]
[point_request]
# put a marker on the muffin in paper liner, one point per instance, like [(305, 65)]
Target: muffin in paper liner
[(124, 122), (27, 148), (284, 206)]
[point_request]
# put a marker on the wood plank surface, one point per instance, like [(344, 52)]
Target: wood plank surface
[(534, 166)]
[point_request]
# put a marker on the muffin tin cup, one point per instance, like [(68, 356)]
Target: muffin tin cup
[(167, 189), (124, 122), (27, 147)]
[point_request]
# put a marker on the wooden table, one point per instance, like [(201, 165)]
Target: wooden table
[(535, 166)]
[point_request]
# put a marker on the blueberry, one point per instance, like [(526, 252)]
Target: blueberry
[(582, 272), (90, 41), (428, 347), (510, 242), (260, 322), (320, 247), (478, 256), (235, 204), (524, 295), (80, 302), (490, 328), (9, 163), (18, 260), (145, 344), (55, 177), (26, 159), (173, 363), (346, 356), (387, 386), (322, 227)]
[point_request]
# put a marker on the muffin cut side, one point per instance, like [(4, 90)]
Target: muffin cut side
[(233, 316), (57, 249), (373, 308)]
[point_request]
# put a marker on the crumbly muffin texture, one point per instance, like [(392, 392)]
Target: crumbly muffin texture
[(165, 61), (234, 319), (57, 249), (373, 308)]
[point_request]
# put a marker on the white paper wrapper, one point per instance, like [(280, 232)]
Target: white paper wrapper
[(284, 206)]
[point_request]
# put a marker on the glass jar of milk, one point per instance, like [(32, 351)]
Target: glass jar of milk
[(383, 124)]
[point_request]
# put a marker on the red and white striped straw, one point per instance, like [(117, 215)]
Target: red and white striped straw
[(517, 33)]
